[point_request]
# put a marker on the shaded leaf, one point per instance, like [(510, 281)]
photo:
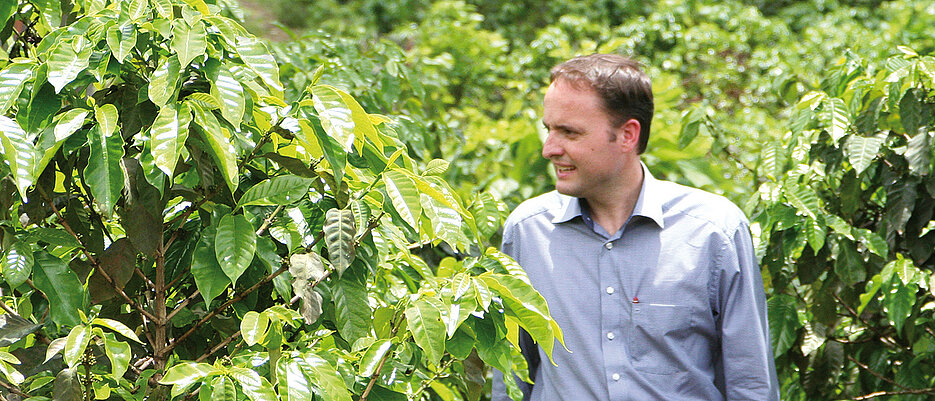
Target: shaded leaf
[(280, 190), (425, 323), (919, 152), (219, 143), (783, 322), (67, 386), (119, 354), (103, 173), (61, 285), (14, 328), (209, 278), (17, 264), (19, 153)]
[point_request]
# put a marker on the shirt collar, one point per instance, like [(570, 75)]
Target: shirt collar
[(648, 204)]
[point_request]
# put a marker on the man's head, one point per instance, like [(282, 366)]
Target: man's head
[(625, 90)]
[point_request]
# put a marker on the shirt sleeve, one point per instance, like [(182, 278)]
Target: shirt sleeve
[(746, 369)]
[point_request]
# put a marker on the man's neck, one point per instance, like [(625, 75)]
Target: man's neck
[(613, 211)]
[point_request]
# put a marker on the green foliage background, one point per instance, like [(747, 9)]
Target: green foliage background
[(311, 213)]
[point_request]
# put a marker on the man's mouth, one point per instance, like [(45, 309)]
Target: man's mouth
[(564, 169)]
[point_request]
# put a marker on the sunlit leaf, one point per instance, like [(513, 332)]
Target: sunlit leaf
[(234, 245), (427, 328), (119, 354), (75, 344), (404, 196), (20, 154), (280, 190), (339, 237), (253, 327), (67, 60), (103, 173), (861, 151), (255, 54), (229, 93), (12, 79), (325, 377), (254, 386), (373, 356), (17, 263), (220, 145), (188, 41), (185, 374), (168, 135), (165, 81)]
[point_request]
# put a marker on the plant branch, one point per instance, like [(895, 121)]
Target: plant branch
[(13, 389), (375, 376), (438, 373), (876, 374), (184, 303), (269, 220), (930, 390), (216, 348), (94, 262)]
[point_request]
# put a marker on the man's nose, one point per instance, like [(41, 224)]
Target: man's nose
[(551, 147)]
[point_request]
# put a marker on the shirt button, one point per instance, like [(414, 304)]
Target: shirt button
[(609, 245), (610, 290), (610, 336), (615, 376)]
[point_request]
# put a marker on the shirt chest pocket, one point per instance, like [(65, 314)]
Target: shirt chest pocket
[(657, 336)]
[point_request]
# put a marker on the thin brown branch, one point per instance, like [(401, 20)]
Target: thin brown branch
[(184, 303), (375, 376), (876, 394), (13, 389), (875, 373), (857, 316), (218, 347), (438, 373), (94, 262), (269, 220), (145, 279)]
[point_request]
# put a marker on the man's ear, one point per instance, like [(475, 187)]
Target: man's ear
[(629, 135)]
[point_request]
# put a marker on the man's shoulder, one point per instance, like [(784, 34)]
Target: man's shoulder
[(702, 205), (545, 206)]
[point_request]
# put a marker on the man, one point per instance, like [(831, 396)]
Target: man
[(654, 284)]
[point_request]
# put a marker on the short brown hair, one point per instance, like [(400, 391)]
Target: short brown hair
[(624, 88)]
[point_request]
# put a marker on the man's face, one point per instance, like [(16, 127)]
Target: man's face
[(588, 162)]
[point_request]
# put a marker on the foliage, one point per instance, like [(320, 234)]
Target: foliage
[(177, 221)]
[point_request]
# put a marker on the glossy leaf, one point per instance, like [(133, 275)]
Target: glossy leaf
[(220, 146), (67, 60), (12, 79), (255, 387), (19, 153), (118, 327), (371, 359), (253, 327), (67, 386), (18, 263), (222, 389), (528, 306), (61, 285), (839, 118), (234, 245), (404, 196), (336, 118), (188, 41), (339, 237), (783, 322), (75, 344), (900, 302), (209, 277), (103, 173), (164, 81), (168, 135), (861, 151), (121, 40), (230, 94), (427, 328), (919, 152), (325, 378), (185, 374), (280, 190), (257, 57), (293, 384), (106, 117), (352, 309), (804, 199), (119, 354)]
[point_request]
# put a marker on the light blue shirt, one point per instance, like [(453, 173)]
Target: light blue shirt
[(671, 307)]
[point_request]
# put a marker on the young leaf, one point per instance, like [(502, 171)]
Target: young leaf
[(67, 60), (229, 93), (339, 237), (861, 151), (18, 263), (119, 354), (234, 245), (188, 41), (253, 327)]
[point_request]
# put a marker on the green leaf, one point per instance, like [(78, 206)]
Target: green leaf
[(18, 263), (118, 327), (168, 135), (14, 328), (328, 147), (336, 118), (119, 354), (163, 7), (899, 303), (253, 327), (427, 328), (446, 222), (77, 341), (293, 385), (185, 374), (783, 322), (188, 41), (7, 9), (121, 40), (404, 196), (325, 378), (849, 264), (838, 117), (873, 241), (61, 285), (815, 232), (103, 173), (165, 81), (67, 60), (906, 270), (255, 387), (373, 356), (137, 9), (12, 79), (436, 167), (861, 150), (339, 237), (229, 93), (67, 386), (280, 190), (209, 277), (106, 117), (257, 57), (803, 199), (234, 245), (691, 121), (919, 152), (351, 305), (529, 308), (220, 145), (222, 389), (19, 153)]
